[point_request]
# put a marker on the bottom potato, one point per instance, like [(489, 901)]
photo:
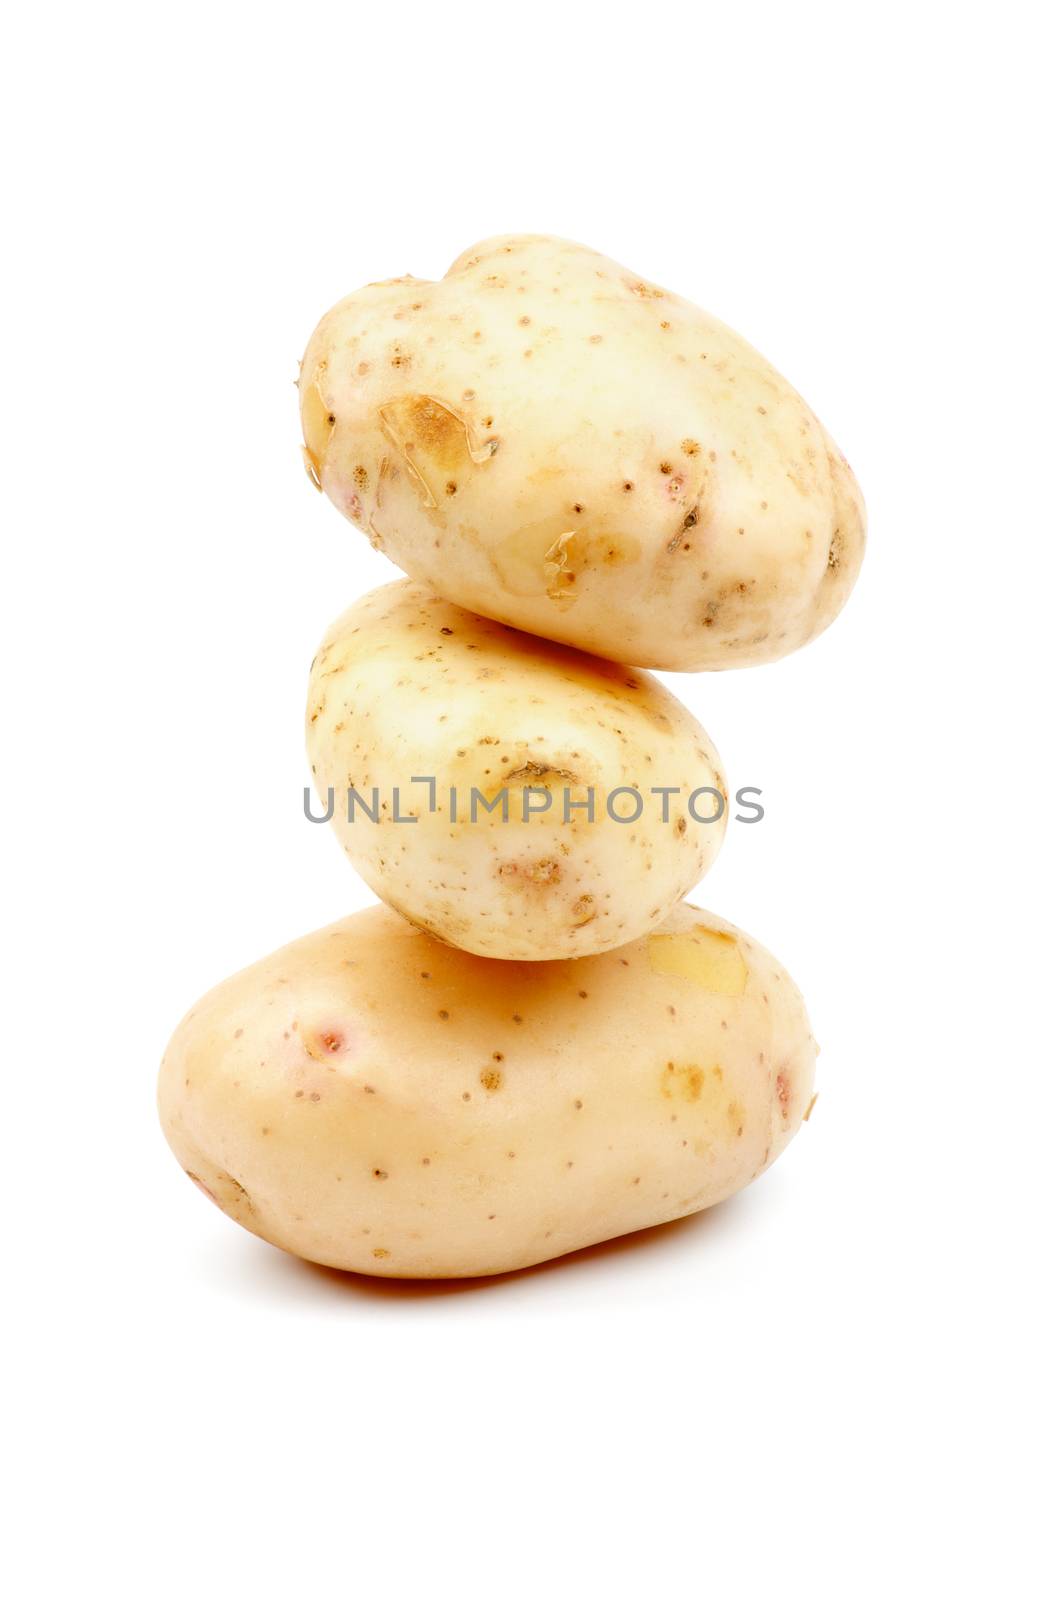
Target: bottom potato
[(372, 1099)]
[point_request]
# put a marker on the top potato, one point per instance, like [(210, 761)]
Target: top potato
[(550, 441)]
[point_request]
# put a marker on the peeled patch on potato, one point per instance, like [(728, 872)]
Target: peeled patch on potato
[(550, 440), (513, 797), (373, 1100)]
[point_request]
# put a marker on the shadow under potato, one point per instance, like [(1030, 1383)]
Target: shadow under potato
[(275, 1268)]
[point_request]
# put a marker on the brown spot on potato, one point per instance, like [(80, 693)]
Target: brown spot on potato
[(682, 1083), (538, 770), (491, 1079), (608, 549), (534, 872), (434, 440)]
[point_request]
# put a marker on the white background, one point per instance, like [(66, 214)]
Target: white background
[(843, 1383)]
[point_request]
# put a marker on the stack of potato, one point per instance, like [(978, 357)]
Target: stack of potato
[(539, 1046)]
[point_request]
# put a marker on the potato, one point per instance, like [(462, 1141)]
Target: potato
[(549, 440), (407, 686), (372, 1099)]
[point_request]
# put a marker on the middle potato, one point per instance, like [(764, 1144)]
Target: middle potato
[(514, 797)]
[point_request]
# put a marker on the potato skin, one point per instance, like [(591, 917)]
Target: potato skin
[(406, 684), (549, 440), (374, 1100)]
